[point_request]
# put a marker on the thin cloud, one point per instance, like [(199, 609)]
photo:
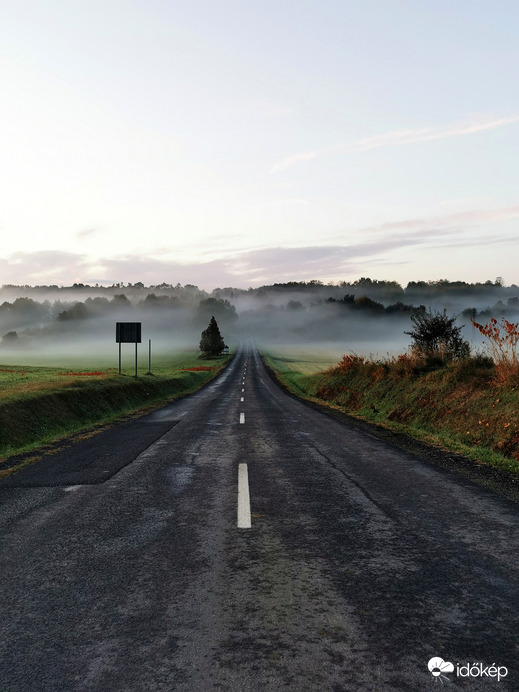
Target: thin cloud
[(397, 138), (469, 218), (485, 240), (305, 156), (245, 268), (86, 233), (430, 134), (43, 267)]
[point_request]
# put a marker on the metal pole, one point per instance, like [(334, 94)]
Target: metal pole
[(149, 356), (135, 359), (119, 357)]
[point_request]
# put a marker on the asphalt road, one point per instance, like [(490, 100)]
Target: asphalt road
[(122, 566)]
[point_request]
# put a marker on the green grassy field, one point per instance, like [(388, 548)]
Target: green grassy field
[(18, 381), (300, 360), (39, 405)]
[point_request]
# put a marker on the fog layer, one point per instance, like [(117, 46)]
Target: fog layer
[(367, 317)]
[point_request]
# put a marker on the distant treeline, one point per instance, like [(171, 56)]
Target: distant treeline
[(414, 291), (294, 307)]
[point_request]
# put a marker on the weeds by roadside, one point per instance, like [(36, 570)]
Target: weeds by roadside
[(501, 343)]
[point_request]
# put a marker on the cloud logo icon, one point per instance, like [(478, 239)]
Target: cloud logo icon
[(438, 666)]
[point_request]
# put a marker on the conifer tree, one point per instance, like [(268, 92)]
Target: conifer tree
[(211, 343)]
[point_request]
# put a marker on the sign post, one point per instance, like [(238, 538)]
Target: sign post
[(128, 333)]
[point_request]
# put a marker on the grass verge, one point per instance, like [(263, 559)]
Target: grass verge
[(39, 406), (458, 407)]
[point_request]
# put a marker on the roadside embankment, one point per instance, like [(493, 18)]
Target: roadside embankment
[(43, 410), (459, 407)]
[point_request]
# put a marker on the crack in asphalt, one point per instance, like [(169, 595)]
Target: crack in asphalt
[(356, 484)]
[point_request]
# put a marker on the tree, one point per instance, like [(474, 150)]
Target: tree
[(211, 343), (216, 306), (10, 338), (435, 336), (365, 303), (77, 312)]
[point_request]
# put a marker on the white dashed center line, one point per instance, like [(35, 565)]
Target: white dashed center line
[(244, 518), (242, 418)]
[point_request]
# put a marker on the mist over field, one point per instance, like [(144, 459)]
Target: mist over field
[(369, 317)]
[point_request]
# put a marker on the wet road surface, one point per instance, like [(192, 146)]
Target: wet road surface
[(362, 561)]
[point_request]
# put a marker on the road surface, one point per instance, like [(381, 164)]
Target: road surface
[(126, 565)]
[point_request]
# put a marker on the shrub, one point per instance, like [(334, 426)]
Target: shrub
[(436, 338), (477, 369)]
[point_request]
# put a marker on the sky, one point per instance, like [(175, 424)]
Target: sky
[(246, 142)]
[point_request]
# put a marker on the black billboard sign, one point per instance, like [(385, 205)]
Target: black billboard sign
[(128, 332)]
